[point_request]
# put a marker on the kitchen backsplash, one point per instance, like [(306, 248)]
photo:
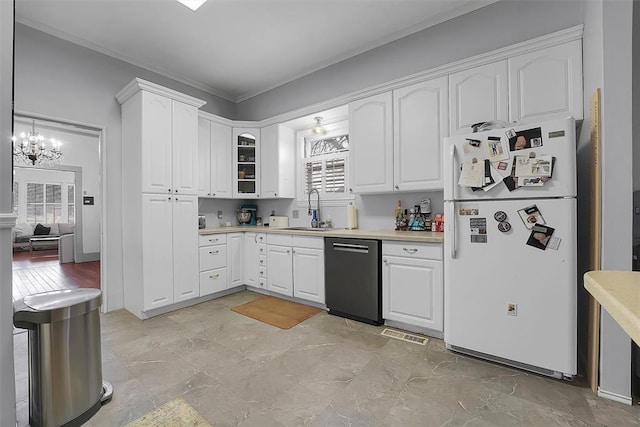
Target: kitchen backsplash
[(374, 211)]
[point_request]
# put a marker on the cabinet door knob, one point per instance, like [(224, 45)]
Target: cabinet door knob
[(169, 190), (176, 191), (397, 187), (213, 194), (385, 261), (257, 195), (261, 261), (351, 190), (275, 194), (288, 251)]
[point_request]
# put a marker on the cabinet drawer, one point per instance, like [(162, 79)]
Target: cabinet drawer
[(279, 239), (213, 281), (262, 260), (308, 242), (213, 257), (262, 273), (413, 250), (261, 238), (212, 239), (262, 250)]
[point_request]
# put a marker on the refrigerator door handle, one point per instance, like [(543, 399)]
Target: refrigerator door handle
[(449, 195), (452, 226)]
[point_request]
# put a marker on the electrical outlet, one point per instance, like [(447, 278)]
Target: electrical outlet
[(219, 214), (512, 309), (295, 213)]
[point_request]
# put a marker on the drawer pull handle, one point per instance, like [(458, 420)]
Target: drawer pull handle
[(213, 240), (410, 250), (214, 276), (214, 252)]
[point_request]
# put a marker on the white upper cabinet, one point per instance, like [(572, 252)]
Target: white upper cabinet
[(185, 148), (371, 143), (246, 161), (479, 94), (214, 159), (546, 84), (204, 157), (221, 158), (155, 142), (277, 162), (420, 124)]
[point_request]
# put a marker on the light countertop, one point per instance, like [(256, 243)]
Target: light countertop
[(619, 293), (407, 236)]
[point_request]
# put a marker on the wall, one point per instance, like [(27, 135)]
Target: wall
[(617, 185), (375, 212), (497, 25), (7, 375), (79, 149), (57, 79)]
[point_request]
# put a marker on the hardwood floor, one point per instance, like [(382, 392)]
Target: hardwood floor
[(43, 272)]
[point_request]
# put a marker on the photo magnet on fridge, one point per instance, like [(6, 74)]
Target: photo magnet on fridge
[(478, 228), (531, 216), (497, 149), (529, 138), (540, 236)]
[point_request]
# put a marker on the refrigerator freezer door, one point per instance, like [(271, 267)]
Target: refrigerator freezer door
[(559, 141), (505, 298)]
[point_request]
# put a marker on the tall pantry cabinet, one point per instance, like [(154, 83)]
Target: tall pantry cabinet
[(159, 196)]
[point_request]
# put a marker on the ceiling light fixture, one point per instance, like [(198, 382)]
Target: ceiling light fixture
[(318, 129), (32, 148), (192, 4)]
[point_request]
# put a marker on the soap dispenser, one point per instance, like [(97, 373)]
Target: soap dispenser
[(314, 218)]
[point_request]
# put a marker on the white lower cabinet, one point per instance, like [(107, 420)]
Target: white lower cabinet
[(254, 273), (308, 268), (280, 272), (235, 259), (296, 266), (412, 284), (213, 263)]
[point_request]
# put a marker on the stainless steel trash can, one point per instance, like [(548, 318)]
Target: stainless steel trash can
[(65, 360)]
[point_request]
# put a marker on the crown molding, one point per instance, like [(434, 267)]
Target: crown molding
[(137, 84)]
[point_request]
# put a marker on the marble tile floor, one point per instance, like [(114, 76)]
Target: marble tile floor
[(325, 371)]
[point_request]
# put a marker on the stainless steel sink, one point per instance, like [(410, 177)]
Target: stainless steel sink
[(305, 229)]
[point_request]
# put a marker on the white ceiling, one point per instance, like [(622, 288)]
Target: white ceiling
[(236, 49)]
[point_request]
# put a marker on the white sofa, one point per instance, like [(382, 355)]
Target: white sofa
[(22, 232)]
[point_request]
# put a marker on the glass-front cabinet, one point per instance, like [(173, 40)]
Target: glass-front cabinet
[(246, 158)]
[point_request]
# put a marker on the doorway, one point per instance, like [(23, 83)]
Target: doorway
[(68, 193)]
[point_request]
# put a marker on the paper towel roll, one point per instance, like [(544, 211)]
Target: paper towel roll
[(352, 220)]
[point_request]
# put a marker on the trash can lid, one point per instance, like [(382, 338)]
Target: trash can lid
[(53, 300)]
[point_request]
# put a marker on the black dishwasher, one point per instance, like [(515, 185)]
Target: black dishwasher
[(353, 278)]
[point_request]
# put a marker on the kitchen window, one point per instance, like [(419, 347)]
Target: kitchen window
[(324, 166)]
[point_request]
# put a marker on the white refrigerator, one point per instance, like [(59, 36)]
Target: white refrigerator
[(510, 246)]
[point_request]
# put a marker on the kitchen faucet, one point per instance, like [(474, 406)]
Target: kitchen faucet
[(315, 222)]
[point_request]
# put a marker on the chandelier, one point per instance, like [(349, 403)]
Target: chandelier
[(33, 149)]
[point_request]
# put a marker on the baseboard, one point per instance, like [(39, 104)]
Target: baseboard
[(92, 256), (615, 397)]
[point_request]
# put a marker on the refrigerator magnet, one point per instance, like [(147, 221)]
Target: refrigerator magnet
[(554, 243), (500, 216), (478, 228), (540, 236), (531, 216), (497, 149), (468, 210), (504, 226), (521, 140)]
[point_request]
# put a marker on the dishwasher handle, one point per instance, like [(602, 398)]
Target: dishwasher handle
[(350, 247)]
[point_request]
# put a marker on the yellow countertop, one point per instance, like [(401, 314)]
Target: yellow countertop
[(619, 293), (407, 236)]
